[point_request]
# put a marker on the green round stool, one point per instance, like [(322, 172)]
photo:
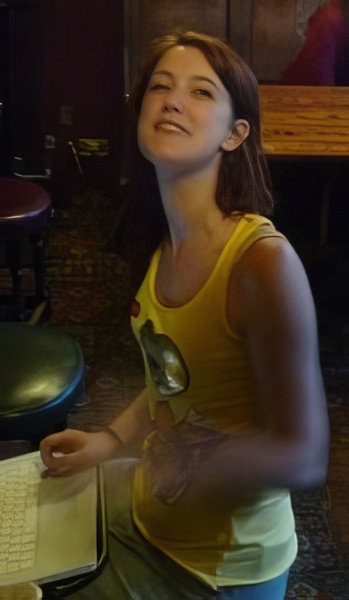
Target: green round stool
[(42, 377)]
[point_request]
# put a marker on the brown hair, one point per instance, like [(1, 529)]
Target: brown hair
[(244, 181)]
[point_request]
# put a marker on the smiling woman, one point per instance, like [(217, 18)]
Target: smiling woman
[(243, 174), (233, 413), (186, 100)]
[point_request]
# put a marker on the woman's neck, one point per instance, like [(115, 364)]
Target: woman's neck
[(190, 207)]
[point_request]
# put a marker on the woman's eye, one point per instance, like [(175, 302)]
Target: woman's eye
[(203, 92), (159, 86)]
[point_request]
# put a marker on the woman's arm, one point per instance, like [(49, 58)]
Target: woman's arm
[(69, 451), (270, 304)]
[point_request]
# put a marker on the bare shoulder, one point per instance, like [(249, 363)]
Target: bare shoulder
[(269, 281), (269, 261), (269, 253)]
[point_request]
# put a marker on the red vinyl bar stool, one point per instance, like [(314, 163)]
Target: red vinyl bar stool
[(25, 210)]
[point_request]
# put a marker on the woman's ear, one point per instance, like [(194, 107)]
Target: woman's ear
[(237, 135)]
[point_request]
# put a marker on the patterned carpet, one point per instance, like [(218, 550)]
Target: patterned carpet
[(90, 298)]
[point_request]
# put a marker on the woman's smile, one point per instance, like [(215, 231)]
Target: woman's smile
[(170, 126)]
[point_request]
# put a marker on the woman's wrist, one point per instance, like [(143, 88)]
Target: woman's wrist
[(114, 435)]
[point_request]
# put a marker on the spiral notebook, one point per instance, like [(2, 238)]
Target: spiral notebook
[(70, 524)]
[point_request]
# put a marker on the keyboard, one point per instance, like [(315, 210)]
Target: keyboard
[(19, 495)]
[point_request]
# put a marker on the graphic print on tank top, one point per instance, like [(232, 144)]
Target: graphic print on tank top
[(166, 365)]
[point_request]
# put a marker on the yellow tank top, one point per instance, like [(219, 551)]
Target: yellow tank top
[(196, 363)]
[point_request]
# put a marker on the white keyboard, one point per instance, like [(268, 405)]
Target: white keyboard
[(19, 494)]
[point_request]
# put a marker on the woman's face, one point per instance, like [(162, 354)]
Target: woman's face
[(186, 115)]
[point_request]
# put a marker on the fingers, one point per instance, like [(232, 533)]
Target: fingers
[(56, 467), (70, 451), (60, 452), (50, 447)]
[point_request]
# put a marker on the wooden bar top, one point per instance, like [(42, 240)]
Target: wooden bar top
[(302, 121)]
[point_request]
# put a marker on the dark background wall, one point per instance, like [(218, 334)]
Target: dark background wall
[(20, 78), (65, 66), (62, 61), (83, 67), (62, 75)]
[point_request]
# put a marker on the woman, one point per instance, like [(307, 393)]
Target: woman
[(233, 415)]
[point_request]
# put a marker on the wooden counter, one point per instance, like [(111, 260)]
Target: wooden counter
[(302, 121)]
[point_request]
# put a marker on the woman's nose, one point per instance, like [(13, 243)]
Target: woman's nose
[(173, 101)]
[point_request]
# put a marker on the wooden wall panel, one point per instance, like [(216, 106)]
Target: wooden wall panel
[(240, 28), (278, 33), (266, 33), (158, 16), (274, 38), (146, 19)]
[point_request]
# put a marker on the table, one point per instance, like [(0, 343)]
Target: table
[(306, 122)]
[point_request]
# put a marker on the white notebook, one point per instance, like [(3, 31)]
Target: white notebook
[(70, 511)]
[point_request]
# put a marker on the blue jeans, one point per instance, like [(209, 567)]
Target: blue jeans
[(275, 589)]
